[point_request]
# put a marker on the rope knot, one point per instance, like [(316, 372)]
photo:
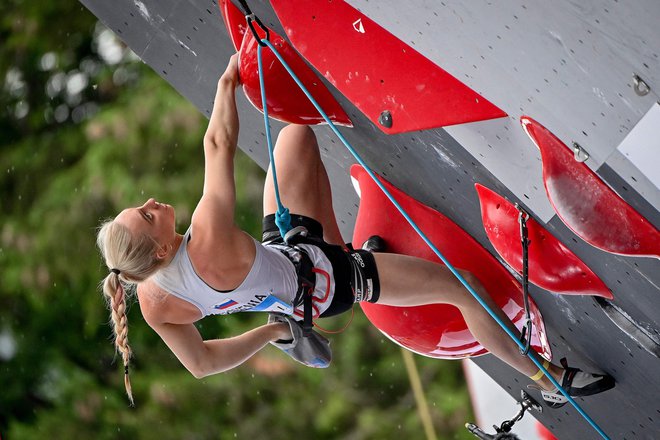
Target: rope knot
[(283, 220)]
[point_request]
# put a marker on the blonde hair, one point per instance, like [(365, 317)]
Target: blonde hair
[(131, 259)]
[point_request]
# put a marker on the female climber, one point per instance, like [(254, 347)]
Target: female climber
[(216, 268)]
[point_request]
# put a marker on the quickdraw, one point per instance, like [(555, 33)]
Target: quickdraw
[(503, 432), (526, 333), (251, 18)]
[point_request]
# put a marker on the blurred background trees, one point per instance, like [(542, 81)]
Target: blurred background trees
[(86, 129)]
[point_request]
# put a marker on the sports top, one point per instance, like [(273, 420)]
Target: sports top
[(270, 286)]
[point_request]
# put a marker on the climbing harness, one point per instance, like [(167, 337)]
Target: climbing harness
[(285, 215), (503, 432), (526, 333), (305, 270), (306, 275)]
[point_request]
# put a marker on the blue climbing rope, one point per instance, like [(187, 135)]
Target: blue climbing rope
[(414, 226), (282, 216)]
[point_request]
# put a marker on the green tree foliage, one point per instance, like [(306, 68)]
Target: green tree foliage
[(86, 130)]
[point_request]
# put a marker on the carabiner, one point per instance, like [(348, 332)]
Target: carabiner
[(526, 337), (253, 18)]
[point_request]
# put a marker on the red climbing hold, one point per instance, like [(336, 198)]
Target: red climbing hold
[(437, 330), (285, 101), (234, 22), (552, 265), (586, 204), (395, 86)]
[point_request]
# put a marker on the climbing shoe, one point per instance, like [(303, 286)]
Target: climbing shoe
[(577, 384), (375, 243)]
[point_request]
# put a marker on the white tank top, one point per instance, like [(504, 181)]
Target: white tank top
[(270, 286)]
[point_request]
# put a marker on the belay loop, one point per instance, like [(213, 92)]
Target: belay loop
[(526, 333)]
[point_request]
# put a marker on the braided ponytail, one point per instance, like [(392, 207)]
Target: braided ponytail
[(132, 259), (116, 298)]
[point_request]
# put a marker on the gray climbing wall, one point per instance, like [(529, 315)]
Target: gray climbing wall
[(567, 64)]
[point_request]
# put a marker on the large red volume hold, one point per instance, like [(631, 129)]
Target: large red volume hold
[(436, 330), (586, 204), (552, 266), (235, 22), (285, 101), (395, 86)]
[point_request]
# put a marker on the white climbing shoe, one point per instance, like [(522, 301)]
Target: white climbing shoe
[(577, 384)]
